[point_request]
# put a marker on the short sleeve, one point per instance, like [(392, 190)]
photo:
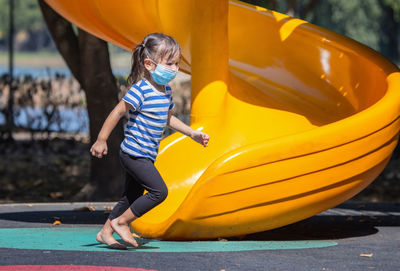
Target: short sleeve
[(171, 101), (171, 104), (134, 97)]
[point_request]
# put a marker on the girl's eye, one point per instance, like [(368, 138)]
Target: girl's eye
[(170, 64)]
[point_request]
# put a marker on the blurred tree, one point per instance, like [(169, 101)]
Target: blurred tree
[(371, 22), (294, 8), (390, 28), (88, 59), (358, 19), (374, 23), (30, 29)]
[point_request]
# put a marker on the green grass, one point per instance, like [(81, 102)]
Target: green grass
[(54, 59), (50, 59)]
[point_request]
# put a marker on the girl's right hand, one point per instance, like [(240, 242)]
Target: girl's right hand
[(99, 149)]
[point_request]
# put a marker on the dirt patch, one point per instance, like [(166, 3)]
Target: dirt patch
[(43, 170)]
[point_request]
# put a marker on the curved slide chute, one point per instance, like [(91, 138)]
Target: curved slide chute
[(300, 118)]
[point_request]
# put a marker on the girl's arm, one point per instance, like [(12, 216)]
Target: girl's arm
[(181, 127), (99, 148)]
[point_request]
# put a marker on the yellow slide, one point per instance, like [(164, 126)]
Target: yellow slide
[(300, 118)]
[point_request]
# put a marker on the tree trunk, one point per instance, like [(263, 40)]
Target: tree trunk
[(389, 38), (88, 59)]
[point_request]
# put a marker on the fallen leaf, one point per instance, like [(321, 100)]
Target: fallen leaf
[(55, 195), (366, 255), (57, 222)]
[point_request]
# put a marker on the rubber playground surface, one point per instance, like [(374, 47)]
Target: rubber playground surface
[(352, 236)]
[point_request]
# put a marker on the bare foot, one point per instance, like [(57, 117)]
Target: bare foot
[(123, 230), (109, 240)]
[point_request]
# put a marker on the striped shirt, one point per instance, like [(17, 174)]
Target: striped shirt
[(147, 119)]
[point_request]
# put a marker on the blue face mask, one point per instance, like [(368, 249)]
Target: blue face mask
[(162, 75)]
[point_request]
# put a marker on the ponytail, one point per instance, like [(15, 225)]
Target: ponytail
[(137, 69)]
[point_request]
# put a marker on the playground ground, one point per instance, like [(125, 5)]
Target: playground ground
[(352, 236)]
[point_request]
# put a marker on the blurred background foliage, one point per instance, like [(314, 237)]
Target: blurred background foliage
[(31, 34), (375, 23), (30, 28)]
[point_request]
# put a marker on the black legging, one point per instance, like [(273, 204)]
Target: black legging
[(140, 174)]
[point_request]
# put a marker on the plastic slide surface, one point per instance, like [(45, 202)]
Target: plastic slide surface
[(300, 118)]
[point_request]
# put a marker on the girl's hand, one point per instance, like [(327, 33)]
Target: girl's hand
[(99, 149), (200, 137)]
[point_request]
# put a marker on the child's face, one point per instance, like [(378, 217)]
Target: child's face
[(172, 63)]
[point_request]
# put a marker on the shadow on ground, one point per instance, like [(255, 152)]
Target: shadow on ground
[(352, 220), (65, 217)]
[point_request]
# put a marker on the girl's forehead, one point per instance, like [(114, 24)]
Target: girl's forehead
[(168, 57)]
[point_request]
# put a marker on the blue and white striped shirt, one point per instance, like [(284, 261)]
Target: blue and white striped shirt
[(147, 119)]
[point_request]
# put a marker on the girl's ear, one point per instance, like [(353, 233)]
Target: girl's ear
[(148, 64)]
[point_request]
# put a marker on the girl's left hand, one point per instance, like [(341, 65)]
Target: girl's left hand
[(200, 137)]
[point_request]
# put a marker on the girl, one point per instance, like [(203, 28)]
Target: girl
[(148, 104)]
